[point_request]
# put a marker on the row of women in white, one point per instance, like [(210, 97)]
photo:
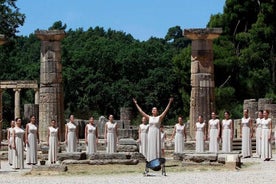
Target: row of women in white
[(149, 136), (262, 128), (20, 140), (220, 131), (16, 139)]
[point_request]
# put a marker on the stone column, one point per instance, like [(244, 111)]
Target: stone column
[(125, 117), (2, 41), (202, 73), (51, 90), (36, 96), (1, 111), (1, 115), (17, 103)]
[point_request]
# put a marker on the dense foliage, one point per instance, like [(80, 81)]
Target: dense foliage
[(104, 69)]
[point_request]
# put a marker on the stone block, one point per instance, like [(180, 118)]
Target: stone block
[(49, 168), (232, 161), (198, 157), (102, 162), (71, 156), (127, 148), (128, 141), (106, 156)]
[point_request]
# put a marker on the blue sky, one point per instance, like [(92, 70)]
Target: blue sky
[(141, 18)]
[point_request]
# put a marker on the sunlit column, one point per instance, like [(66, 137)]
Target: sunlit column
[(202, 100), (17, 103), (36, 96)]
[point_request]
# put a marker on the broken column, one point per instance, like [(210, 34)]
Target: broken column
[(202, 100), (51, 105)]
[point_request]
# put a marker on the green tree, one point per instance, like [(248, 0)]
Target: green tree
[(10, 18), (58, 25)]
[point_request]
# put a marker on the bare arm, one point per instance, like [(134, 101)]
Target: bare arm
[(195, 129), (58, 136), (173, 134), (13, 135), (97, 132), (251, 127), (140, 110), (66, 133), (270, 130), (37, 134), (26, 134), (8, 135), (166, 110), (77, 133), (117, 133), (208, 131), (218, 128), (240, 129), (105, 131), (205, 132), (48, 135), (139, 134), (232, 129), (185, 134), (85, 134)]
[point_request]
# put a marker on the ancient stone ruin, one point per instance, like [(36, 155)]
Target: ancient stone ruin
[(51, 104), (202, 100)]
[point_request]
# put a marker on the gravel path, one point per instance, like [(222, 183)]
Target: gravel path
[(263, 172)]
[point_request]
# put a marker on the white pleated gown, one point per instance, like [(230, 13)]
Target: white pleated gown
[(18, 152), (71, 137), (10, 150), (154, 138), (200, 137), (31, 154), (179, 139), (53, 145), (91, 139), (246, 139), (226, 135), (143, 139), (111, 146), (163, 139), (258, 136), (266, 152), (213, 142)]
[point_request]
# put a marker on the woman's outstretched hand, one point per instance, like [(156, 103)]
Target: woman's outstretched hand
[(171, 99), (134, 100)]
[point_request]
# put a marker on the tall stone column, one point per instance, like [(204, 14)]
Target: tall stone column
[(51, 105), (1, 114), (2, 41), (17, 103), (202, 73)]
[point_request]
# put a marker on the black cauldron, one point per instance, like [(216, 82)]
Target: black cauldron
[(156, 165)]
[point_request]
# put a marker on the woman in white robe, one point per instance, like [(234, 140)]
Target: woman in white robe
[(154, 135)]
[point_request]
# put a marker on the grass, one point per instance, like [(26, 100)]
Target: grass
[(171, 166)]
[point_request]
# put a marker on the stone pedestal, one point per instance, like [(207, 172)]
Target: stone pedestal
[(51, 105), (202, 73)]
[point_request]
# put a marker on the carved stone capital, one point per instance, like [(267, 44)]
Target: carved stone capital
[(50, 35)]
